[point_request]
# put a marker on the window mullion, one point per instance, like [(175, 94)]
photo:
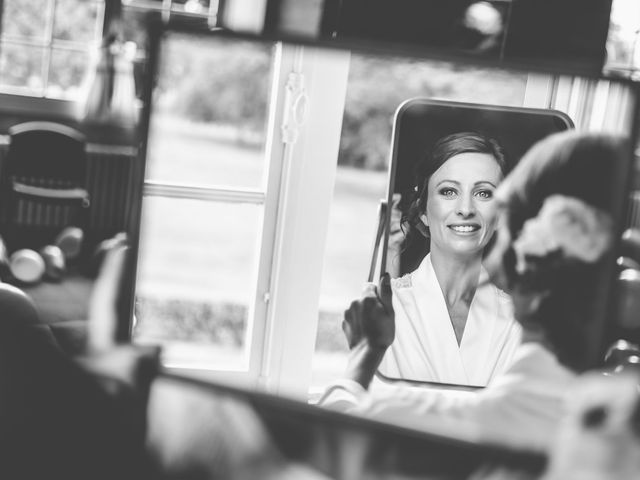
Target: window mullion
[(212, 194), (308, 176), (274, 154)]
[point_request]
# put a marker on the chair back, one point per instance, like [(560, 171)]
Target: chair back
[(48, 153), (43, 183)]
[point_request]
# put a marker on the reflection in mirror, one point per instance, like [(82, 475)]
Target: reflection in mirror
[(443, 177), (224, 326), (589, 104), (557, 222)]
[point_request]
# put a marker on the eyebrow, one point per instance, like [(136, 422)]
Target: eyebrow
[(486, 182), (455, 182)]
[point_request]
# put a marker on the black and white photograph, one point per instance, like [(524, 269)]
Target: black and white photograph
[(319, 239)]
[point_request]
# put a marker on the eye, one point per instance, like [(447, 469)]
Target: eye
[(447, 192), (485, 194)]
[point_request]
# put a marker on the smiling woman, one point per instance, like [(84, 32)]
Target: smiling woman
[(445, 321)]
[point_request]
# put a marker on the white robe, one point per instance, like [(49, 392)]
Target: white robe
[(522, 407), (425, 347)]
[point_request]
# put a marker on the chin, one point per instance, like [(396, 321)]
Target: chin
[(467, 249)]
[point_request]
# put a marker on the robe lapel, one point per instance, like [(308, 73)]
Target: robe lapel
[(490, 329), (433, 326), (425, 347)]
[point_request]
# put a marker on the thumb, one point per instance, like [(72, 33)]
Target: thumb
[(385, 289)]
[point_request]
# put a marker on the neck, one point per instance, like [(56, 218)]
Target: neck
[(457, 275), (530, 335)]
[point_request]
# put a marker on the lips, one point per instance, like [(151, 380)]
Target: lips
[(464, 227)]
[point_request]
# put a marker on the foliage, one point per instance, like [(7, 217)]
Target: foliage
[(227, 83), (377, 87), (221, 323), (218, 82), (173, 319)]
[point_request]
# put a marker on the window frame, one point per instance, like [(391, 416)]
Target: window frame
[(282, 318)]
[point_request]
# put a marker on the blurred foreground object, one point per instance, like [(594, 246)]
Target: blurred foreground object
[(628, 288), (27, 266), (72, 417), (16, 306), (103, 306), (54, 262), (70, 241), (599, 437)]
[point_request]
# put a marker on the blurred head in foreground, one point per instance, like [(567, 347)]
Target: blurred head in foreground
[(553, 248)]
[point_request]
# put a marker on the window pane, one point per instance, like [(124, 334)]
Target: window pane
[(196, 279), (25, 18), (21, 66), (76, 20), (66, 74), (210, 113), (376, 88)]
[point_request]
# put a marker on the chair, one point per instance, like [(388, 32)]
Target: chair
[(418, 124), (43, 183)]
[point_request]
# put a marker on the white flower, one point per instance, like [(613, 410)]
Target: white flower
[(566, 226)]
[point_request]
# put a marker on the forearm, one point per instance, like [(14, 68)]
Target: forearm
[(363, 363)]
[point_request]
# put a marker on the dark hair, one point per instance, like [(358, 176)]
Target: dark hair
[(574, 164), (444, 149), (583, 166)]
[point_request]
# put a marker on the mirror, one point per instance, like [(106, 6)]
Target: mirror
[(205, 160), (420, 292)]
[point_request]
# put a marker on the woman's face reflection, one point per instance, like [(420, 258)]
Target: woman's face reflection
[(460, 209)]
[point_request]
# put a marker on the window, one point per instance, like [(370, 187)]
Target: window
[(204, 203), (45, 45), (235, 210)]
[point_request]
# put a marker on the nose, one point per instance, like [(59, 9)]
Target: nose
[(466, 207)]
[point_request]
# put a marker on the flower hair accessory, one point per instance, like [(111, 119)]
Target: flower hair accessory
[(565, 228)]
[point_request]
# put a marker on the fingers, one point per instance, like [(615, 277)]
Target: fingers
[(368, 289), (351, 325), (371, 316), (385, 290)]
